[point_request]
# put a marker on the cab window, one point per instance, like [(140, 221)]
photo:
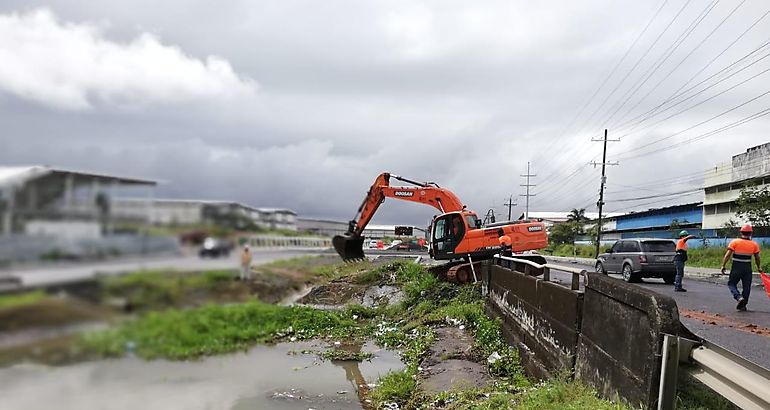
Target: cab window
[(440, 230)]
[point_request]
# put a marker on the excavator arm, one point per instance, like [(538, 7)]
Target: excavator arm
[(428, 193)]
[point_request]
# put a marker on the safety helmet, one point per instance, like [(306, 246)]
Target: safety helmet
[(683, 233), (746, 228)]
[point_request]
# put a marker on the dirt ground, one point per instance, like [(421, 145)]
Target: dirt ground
[(448, 366)]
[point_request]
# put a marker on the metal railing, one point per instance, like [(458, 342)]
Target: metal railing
[(546, 267), (745, 384)]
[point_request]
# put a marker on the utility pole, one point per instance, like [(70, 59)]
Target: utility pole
[(510, 204), (527, 195), (603, 182)]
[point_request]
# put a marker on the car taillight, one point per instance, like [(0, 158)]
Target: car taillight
[(642, 259)]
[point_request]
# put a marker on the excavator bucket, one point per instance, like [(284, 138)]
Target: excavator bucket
[(350, 248)]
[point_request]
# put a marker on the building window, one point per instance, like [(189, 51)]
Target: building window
[(723, 208), (710, 190)]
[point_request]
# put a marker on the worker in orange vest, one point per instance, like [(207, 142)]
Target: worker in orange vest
[(741, 250), (680, 258), (506, 245)]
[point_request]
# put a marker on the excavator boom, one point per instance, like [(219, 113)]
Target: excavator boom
[(350, 247)]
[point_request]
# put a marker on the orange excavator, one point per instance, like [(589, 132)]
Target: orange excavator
[(456, 235)]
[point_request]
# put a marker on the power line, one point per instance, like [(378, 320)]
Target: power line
[(655, 87), (639, 198), (693, 126), (606, 79), (662, 59), (652, 112), (590, 118)]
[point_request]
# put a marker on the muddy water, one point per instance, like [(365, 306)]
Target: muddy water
[(265, 377)]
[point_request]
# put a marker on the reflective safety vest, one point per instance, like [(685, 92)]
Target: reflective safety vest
[(743, 249)]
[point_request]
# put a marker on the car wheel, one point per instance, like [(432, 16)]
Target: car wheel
[(669, 278), (628, 274), (600, 268)]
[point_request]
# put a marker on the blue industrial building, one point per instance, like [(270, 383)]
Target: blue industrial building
[(657, 223)]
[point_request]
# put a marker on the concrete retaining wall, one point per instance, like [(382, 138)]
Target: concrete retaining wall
[(540, 317), (621, 337), (609, 335)]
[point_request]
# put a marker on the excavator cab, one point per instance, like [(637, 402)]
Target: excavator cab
[(448, 231)]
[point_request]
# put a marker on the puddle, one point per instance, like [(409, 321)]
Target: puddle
[(265, 377)]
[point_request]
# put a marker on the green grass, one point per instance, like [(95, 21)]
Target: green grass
[(580, 251), (22, 299), (215, 329), (408, 327), (396, 387), (152, 290)]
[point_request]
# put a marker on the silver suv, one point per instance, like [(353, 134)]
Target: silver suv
[(639, 258)]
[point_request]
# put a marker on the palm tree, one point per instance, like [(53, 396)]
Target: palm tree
[(577, 215)]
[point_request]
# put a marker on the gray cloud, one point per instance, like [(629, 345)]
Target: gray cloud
[(460, 93)]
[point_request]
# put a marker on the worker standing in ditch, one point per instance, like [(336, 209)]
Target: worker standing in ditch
[(245, 263), (680, 258), (741, 250)]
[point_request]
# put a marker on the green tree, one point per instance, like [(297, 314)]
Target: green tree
[(577, 215), (753, 204), (562, 233)]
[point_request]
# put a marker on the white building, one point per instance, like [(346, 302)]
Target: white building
[(723, 183), (198, 211), (42, 200)]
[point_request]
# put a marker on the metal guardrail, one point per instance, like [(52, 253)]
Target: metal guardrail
[(546, 267), (745, 384)]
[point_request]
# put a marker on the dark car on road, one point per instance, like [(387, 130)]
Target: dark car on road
[(215, 248), (639, 258)]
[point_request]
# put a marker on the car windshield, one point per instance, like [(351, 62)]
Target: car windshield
[(658, 246), (471, 220)]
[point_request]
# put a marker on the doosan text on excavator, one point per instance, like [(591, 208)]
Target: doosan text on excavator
[(456, 235)]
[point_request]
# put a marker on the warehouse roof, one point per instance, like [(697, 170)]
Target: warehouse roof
[(19, 175)]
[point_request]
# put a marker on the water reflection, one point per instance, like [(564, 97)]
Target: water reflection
[(265, 377)]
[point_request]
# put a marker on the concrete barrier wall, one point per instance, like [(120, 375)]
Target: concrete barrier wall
[(609, 335), (620, 341), (540, 317)]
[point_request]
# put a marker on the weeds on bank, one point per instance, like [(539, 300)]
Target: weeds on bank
[(146, 290), (214, 329), (22, 299)]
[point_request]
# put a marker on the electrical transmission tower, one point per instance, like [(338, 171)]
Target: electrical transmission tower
[(527, 195)]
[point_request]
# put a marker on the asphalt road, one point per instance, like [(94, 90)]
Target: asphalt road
[(49, 274), (708, 310)]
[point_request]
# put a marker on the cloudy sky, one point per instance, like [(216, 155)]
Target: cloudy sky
[(301, 104)]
